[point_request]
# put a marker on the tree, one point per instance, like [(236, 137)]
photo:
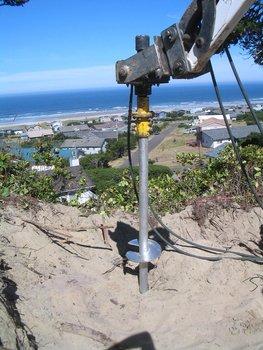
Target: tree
[(13, 2), (249, 32)]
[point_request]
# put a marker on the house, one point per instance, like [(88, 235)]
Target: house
[(105, 119), (202, 118), (216, 137), (210, 123), (77, 186), (216, 151), (75, 130), (2, 145), (56, 125), (39, 132), (107, 135), (112, 126), (88, 145), (161, 115), (117, 118), (12, 130)]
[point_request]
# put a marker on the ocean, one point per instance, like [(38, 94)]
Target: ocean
[(53, 105)]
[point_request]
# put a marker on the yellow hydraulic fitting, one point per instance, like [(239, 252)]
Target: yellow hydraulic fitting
[(143, 117)]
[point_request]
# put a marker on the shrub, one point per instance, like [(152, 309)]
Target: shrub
[(220, 176), (107, 178), (17, 178)]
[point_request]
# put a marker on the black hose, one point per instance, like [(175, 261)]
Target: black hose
[(239, 256), (233, 141), (243, 91)]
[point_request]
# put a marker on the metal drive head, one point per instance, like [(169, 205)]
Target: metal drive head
[(183, 50), (154, 252)]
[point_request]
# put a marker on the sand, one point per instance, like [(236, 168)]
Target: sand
[(82, 299)]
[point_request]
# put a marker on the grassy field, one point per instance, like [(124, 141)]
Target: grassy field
[(176, 142)]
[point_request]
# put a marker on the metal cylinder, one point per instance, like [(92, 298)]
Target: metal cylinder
[(143, 209), (142, 42)]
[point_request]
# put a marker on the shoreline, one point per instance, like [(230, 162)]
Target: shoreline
[(116, 111)]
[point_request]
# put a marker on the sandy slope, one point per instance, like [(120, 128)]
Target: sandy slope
[(69, 302)]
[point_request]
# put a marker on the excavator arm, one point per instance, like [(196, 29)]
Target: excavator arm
[(183, 50)]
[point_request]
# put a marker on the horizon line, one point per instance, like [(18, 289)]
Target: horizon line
[(120, 86)]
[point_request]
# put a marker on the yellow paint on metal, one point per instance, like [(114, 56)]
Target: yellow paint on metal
[(143, 115)]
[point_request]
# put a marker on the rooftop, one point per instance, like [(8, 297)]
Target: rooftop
[(239, 132), (110, 125), (64, 185), (91, 141), (216, 151), (74, 128), (39, 133), (106, 134)]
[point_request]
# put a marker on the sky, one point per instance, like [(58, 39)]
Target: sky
[(64, 45)]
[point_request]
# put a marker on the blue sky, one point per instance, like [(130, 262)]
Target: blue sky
[(61, 45)]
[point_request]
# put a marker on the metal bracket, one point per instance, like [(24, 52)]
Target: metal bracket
[(169, 54), (154, 252), (147, 66)]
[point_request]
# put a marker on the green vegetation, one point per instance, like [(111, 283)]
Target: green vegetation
[(107, 178), (248, 33), (183, 126), (54, 141), (115, 149), (158, 127), (219, 177), (248, 119), (177, 115), (17, 178), (253, 139)]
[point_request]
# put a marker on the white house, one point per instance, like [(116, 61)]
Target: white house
[(202, 118), (56, 125), (117, 118), (39, 132), (70, 188), (211, 123), (105, 119), (216, 137), (88, 145), (258, 108)]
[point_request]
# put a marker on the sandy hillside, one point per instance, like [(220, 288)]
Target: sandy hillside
[(80, 296)]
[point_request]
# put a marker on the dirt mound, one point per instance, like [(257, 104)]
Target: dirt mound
[(74, 291)]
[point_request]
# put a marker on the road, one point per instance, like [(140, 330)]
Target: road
[(154, 141)]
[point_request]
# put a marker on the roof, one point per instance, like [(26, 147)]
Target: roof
[(212, 121), (39, 133), (216, 151), (90, 141), (239, 132), (64, 185), (13, 128), (106, 134), (110, 125), (2, 144), (74, 128)]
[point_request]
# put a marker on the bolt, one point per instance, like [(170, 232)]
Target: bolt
[(123, 72), (171, 35), (158, 73), (186, 37), (178, 67), (200, 42)]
